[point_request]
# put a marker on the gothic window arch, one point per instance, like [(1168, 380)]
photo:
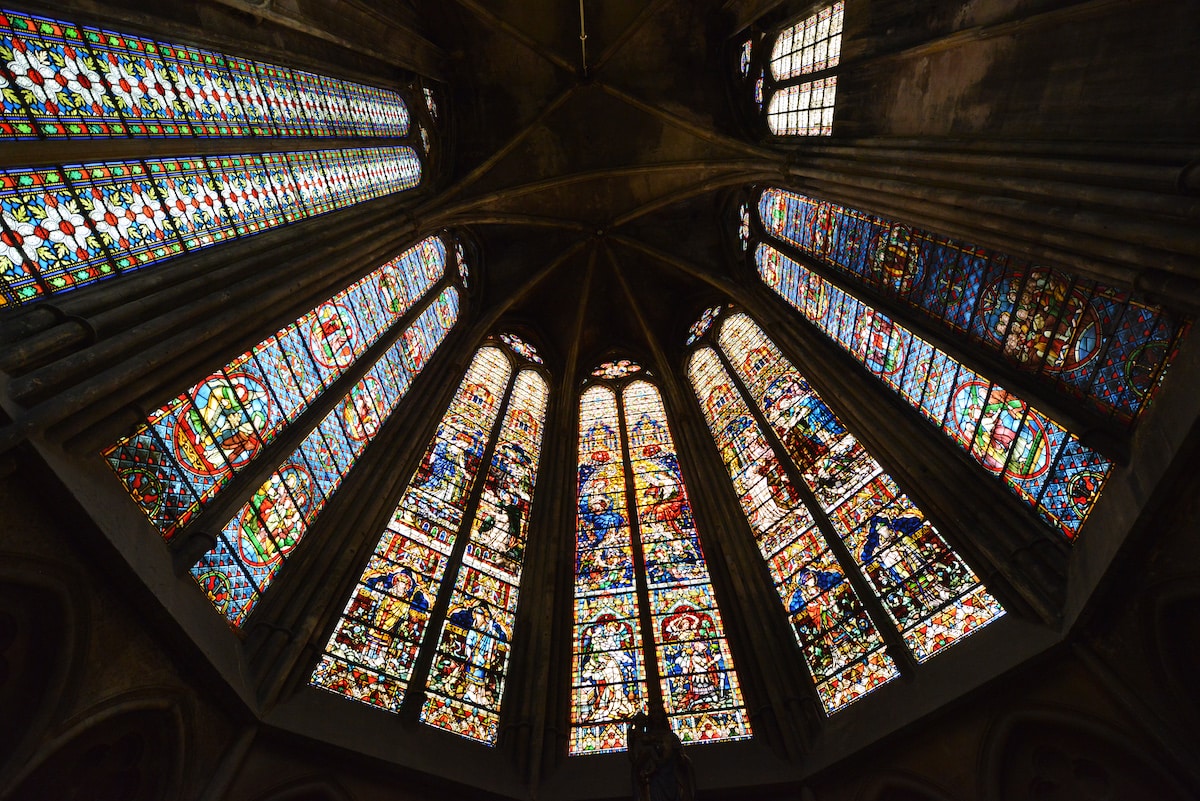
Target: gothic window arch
[(380, 331), (647, 629), (1101, 349), (68, 225), (869, 585), (791, 73), (465, 513)]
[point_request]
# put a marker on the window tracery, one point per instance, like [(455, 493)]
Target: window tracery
[(373, 650), (639, 564), (820, 506)]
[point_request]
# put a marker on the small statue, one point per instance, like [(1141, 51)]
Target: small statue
[(661, 771)]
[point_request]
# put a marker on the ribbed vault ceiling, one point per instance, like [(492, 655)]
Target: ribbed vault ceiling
[(619, 175)]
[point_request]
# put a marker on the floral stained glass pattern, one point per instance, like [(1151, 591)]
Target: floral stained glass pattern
[(256, 542), (466, 681), (521, 347), (608, 672), (62, 80), (928, 591), (1041, 462), (700, 690), (705, 321), (617, 369), (177, 461), (71, 226), (1078, 336), (371, 653), (843, 649)]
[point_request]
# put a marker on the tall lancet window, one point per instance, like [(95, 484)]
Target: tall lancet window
[(648, 633), (334, 376), (792, 73), (1093, 345), (465, 514), (69, 225), (863, 575)]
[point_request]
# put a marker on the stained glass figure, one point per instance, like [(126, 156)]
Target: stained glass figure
[(928, 591), (617, 369), (744, 226), (841, 645), (466, 681), (62, 80), (371, 653), (705, 321), (744, 57), (699, 688), (1080, 337), (176, 462), (77, 224), (521, 347), (1006, 436)]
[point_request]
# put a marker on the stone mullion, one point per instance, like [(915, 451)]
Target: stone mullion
[(414, 695), (287, 633), (93, 391), (1101, 431), (213, 517), (854, 573), (765, 647), (1009, 546)]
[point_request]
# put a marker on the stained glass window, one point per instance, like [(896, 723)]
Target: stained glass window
[(521, 347), (177, 461), (466, 681), (65, 227), (703, 323), (617, 369), (62, 80), (1081, 337), (841, 645), (374, 648), (811, 45), (464, 270), (843, 498), (256, 542), (1077, 337), (799, 88), (651, 513)]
